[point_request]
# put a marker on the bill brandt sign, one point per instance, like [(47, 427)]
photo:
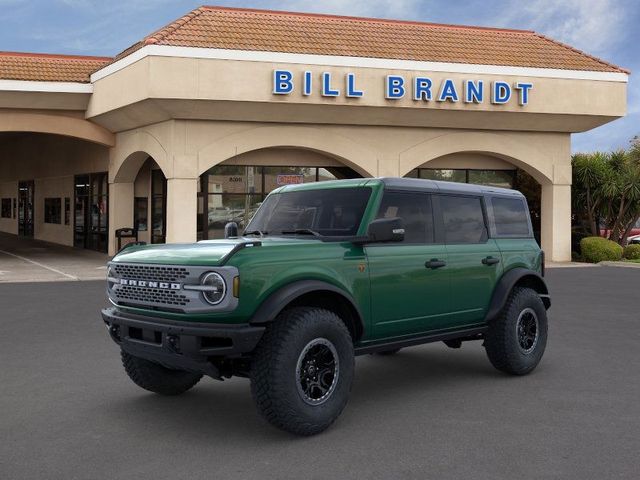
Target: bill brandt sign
[(420, 88)]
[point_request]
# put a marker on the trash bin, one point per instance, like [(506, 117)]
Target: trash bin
[(126, 237)]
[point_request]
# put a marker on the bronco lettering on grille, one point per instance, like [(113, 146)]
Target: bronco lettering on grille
[(149, 284)]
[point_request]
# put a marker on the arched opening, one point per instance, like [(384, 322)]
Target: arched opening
[(485, 169), (140, 198), (234, 189)]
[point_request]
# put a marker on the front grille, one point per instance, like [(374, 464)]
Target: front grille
[(132, 294), (151, 272), (165, 287)]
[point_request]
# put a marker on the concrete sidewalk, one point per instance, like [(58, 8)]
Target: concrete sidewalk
[(28, 260)]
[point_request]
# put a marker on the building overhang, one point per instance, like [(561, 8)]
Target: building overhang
[(45, 95), (158, 83)]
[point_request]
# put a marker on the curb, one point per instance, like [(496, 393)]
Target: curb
[(620, 264)]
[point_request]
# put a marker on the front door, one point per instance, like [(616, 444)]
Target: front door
[(474, 259), (91, 217), (25, 208), (410, 279)]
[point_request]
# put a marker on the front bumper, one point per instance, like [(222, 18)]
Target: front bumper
[(180, 345)]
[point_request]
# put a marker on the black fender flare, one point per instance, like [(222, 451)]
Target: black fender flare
[(278, 300), (509, 280)]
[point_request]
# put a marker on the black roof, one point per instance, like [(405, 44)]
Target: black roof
[(415, 184)]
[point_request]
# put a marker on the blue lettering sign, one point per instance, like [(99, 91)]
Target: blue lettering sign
[(307, 84), (473, 91), (351, 86), (395, 87), (422, 88), (448, 91), (327, 91), (282, 82), (501, 93), (523, 92)]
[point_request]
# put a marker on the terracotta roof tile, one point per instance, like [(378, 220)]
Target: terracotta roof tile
[(273, 31), (48, 68)]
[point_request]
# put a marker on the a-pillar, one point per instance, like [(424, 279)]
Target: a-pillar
[(120, 211), (182, 210), (556, 222)]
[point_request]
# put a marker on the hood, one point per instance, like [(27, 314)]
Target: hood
[(207, 252)]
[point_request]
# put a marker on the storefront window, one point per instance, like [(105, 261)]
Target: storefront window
[(233, 193), (52, 210), (6, 208)]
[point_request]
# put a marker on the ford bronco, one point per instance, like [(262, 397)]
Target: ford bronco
[(324, 272)]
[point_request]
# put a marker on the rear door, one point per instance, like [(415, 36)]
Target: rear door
[(474, 262), (409, 280)]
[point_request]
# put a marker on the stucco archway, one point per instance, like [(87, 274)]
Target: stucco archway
[(346, 151), (523, 156), (131, 152), (58, 125)]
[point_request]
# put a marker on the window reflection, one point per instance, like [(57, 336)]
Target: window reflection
[(233, 193)]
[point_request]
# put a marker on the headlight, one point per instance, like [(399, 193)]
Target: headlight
[(215, 288)]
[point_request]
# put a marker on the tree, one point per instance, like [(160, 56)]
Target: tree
[(607, 187)]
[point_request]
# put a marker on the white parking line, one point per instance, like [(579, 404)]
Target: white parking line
[(72, 277)]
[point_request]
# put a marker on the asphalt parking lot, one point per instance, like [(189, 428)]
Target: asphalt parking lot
[(69, 412)]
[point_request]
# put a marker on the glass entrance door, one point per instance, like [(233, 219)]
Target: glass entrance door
[(158, 207), (25, 208), (91, 211)]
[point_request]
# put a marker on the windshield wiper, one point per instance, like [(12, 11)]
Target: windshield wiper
[(301, 231), (254, 232)]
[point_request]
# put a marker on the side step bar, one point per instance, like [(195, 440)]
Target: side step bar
[(475, 333)]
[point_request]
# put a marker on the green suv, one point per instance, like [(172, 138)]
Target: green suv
[(324, 272)]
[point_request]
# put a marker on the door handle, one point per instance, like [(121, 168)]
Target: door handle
[(490, 261), (435, 263)]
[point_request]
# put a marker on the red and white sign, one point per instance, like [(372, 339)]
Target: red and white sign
[(290, 179)]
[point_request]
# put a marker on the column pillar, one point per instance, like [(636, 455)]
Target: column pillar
[(182, 210), (120, 211), (556, 222), (388, 166)]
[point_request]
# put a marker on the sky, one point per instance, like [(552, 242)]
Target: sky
[(604, 28)]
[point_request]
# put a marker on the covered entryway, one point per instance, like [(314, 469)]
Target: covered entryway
[(59, 187)]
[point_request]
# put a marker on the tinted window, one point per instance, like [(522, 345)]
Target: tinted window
[(52, 210), (330, 212), (463, 219), (511, 217), (415, 212)]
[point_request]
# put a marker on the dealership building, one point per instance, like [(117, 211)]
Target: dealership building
[(192, 126)]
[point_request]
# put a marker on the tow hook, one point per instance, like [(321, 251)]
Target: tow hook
[(173, 343), (114, 332)]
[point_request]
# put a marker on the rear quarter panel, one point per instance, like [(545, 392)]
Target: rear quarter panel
[(520, 252)]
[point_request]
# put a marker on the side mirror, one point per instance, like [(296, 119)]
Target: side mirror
[(386, 230), (231, 230)]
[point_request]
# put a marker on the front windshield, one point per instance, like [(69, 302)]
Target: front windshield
[(331, 212)]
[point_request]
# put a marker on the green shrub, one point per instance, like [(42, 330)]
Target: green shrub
[(632, 252), (598, 249)]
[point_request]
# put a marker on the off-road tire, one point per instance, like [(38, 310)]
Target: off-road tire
[(502, 342), (386, 353), (156, 378), (275, 376)]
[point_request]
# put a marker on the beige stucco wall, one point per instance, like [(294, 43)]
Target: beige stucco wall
[(53, 187)]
